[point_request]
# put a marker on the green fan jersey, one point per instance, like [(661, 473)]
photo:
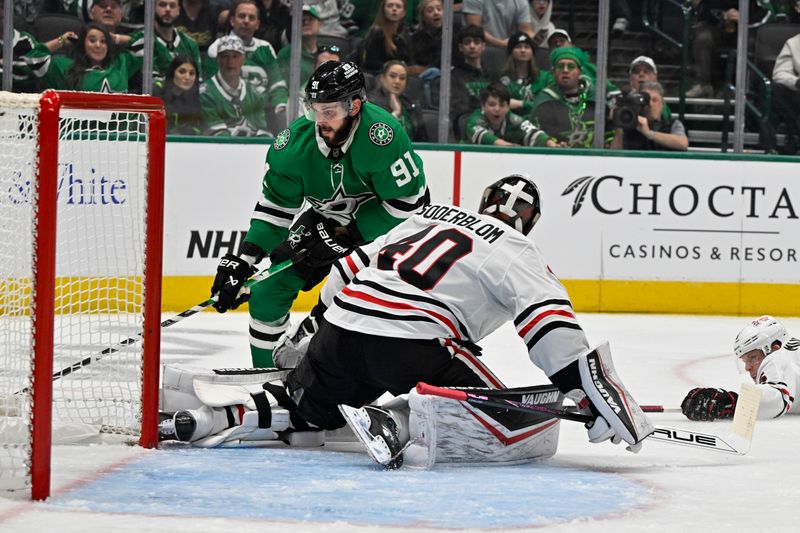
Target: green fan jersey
[(525, 90), (513, 129), (307, 60), (260, 69), (55, 72), (239, 115), (375, 178), (164, 52)]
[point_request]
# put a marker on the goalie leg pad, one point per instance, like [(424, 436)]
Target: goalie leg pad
[(609, 396), (178, 390), (449, 431)]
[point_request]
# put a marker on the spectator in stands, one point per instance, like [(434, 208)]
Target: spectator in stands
[(329, 16), (95, 64), (467, 78), (261, 67), (426, 39), (788, 10), (22, 79), (786, 87), (129, 11), (231, 105), (308, 50), (558, 38), (169, 42), (388, 38), (276, 18), (108, 13), (521, 75), (180, 91), (495, 124), (648, 130), (644, 69), (565, 108), (390, 94), (714, 31), (498, 18), (200, 20), (541, 11), (327, 52)]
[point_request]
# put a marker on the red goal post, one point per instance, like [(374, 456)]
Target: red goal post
[(84, 177)]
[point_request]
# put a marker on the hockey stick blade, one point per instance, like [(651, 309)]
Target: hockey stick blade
[(659, 409), (264, 274), (704, 441)]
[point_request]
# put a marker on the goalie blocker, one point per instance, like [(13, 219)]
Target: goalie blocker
[(618, 415)]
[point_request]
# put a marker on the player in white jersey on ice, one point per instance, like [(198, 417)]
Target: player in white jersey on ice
[(765, 351), (410, 307)]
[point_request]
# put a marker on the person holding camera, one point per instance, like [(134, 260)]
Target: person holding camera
[(640, 124)]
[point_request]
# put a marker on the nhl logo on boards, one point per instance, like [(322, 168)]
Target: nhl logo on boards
[(381, 134), (282, 139)]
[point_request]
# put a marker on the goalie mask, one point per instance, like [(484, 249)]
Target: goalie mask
[(334, 82), (515, 200)]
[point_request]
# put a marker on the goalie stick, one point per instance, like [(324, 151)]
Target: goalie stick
[(738, 442), (89, 359)]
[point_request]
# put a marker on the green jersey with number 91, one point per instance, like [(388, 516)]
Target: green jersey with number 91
[(375, 178)]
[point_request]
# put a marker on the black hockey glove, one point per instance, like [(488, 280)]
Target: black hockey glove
[(706, 404), (232, 272), (314, 244)]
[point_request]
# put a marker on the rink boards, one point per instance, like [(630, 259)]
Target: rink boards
[(711, 234)]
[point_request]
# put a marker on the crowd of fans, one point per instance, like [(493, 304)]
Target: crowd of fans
[(222, 66)]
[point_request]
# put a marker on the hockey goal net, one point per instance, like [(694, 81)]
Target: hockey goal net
[(81, 204)]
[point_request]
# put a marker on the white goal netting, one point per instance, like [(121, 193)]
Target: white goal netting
[(98, 288)]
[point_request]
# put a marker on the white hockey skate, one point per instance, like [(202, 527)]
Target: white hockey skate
[(377, 429)]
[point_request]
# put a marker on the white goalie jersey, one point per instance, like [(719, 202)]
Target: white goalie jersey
[(453, 274)]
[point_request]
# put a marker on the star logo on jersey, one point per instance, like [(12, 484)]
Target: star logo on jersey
[(341, 207), (381, 134), (282, 139)]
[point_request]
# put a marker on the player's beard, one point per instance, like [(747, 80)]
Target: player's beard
[(340, 135)]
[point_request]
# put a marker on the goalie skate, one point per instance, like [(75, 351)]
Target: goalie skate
[(378, 431)]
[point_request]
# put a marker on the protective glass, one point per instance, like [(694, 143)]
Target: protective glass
[(319, 111)]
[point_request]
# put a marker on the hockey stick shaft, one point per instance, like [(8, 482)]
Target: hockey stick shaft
[(669, 435), (659, 409), (264, 274), (502, 403)]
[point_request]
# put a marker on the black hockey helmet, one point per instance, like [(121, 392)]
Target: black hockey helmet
[(515, 200), (335, 81)]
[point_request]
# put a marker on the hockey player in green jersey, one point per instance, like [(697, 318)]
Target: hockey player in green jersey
[(168, 41), (354, 165)]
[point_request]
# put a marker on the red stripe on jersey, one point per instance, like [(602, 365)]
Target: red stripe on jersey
[(241, 410), (347, 291), (477, 365), (351, 265), (541, 316), (505, 439)]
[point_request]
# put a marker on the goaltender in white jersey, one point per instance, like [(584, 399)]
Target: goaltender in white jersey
[(411, 307), (769, 355)]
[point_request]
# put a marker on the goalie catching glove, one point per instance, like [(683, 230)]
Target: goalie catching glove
[(232, 272), (707, 404), (314, 244)]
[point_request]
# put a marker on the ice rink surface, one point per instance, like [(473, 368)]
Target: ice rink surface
[(584, 487)]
